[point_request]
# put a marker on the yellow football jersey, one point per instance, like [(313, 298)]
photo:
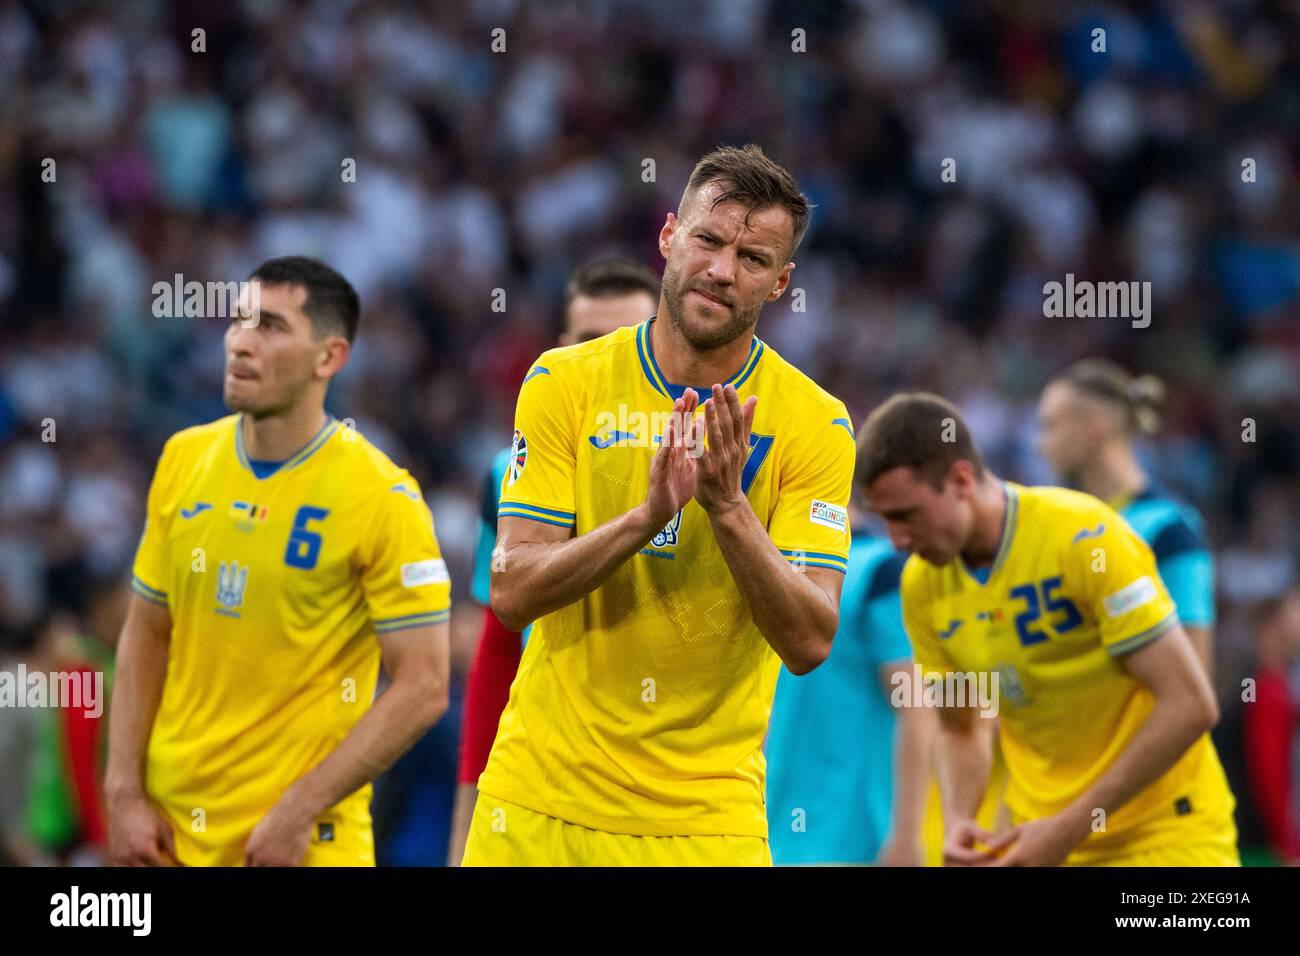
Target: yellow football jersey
[(277, 587), (641, 708), (1072, 589)]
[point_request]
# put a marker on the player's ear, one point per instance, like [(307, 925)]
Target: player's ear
[(333, 355), (666, 234), (961, 474), (782, 281)]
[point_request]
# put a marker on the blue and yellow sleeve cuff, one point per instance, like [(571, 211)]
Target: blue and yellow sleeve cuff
[(1132, 643), (816, 559), (390, 624), (151, 594), (517, 509)]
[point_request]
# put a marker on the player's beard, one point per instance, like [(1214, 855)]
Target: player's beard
[(741, 321), (257, 406)]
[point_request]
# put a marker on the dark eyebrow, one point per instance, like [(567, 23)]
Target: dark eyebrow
[(759, 252), (899, 515), (268, 314)]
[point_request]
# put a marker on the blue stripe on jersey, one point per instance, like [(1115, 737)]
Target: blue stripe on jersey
[(830, 740), (818, 559), (293, 461), (392, 624), (534, 509), (511, 510), (149, 594), (655, 376)]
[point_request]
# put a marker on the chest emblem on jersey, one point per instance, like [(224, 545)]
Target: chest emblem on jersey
[(518, 456), (1009, 682), (232, 580), (1089, 533), (951, 629), (197, 509), (667, 538), (248, 516)]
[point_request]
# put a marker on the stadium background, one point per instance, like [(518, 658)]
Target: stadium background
[(481, 170)]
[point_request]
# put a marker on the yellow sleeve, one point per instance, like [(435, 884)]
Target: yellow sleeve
[(810, 523), (914, 591), (403, 574), (539, 479), (1110, 573), (148, 574)]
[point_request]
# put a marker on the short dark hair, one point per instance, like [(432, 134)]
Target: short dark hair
[(1139, 398), (332, 303), (915, 430), (755, 182), (609, 277)]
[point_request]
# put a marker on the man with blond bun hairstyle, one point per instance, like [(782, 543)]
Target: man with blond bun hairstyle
[(1090, 417)]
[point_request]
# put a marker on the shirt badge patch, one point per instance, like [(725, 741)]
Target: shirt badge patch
[(829, 515), (417, 573), (518, 456), (247, 515), (232, 580), (667, 538), (1130, 597)]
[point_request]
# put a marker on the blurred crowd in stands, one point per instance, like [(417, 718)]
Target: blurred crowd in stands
[(1173, 156)]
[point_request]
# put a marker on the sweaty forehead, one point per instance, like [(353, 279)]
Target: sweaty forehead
[(771, 226)]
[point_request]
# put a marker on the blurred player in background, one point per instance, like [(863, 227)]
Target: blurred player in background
[(1103, 707), (1089, 417), (603, 295), (282, 556), (846, 770), (659, 578)]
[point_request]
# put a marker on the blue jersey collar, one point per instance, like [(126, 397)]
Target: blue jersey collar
[(1008, 532), (659, 382), (260, 471)]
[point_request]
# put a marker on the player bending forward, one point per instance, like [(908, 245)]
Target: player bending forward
[(1104, 707)]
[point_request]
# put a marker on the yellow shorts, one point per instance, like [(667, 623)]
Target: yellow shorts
[(1215, 848), (352, 845), (506, 834)]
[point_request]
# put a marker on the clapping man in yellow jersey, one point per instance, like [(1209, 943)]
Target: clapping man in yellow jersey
[(667, 575)]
